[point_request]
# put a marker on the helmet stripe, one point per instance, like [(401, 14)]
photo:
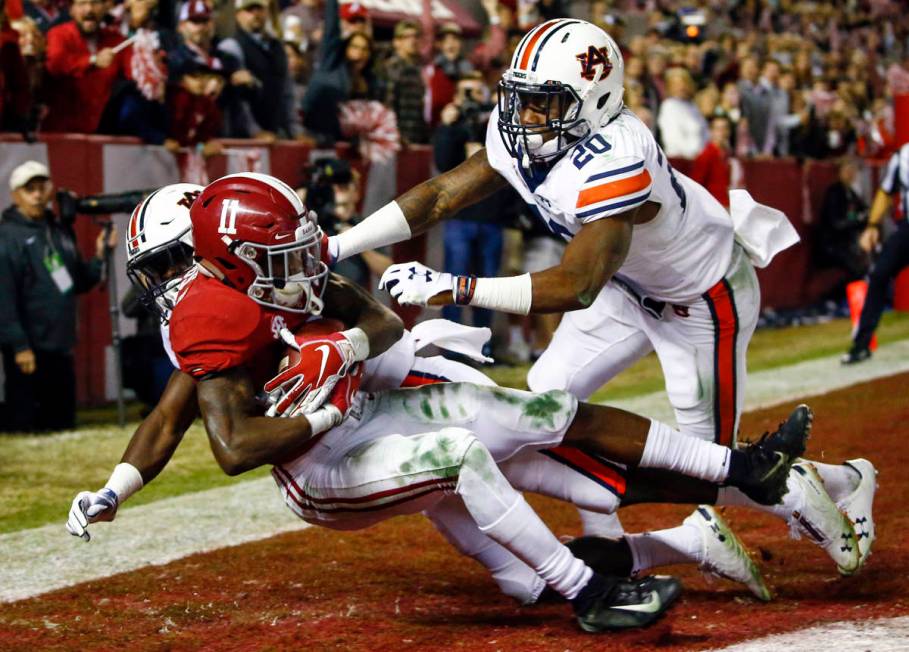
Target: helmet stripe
[(542, 29), (142, 214), (536, 57)]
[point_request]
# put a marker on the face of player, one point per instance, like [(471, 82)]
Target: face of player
[(87, 15), (537, 109)]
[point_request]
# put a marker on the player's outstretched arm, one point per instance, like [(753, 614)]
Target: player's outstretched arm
[(420, 207), (595, 253), (357, 308), (242, 441), (149, 450)]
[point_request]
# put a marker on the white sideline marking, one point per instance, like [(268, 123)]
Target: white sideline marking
[(884, 635), (784, 384), (47, 558)]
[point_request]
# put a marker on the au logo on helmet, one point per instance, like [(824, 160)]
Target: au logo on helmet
[(591, 59)]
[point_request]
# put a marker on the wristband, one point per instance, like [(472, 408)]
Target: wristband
[(464, 289), (124, 481), (324, 418), (386, 226), (359, 342)]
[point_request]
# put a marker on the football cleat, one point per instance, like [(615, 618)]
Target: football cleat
[(769, 459), (724, 554), (857, 506), (630, 603), (817, 517)]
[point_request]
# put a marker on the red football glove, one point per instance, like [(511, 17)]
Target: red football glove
[(338, 405), (319, 362)]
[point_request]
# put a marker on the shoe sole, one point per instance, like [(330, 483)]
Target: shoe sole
[(865, 540), (820, 501), (754, 581)]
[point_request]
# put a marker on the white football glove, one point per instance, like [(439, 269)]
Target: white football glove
[(91, 507), (415, 284)]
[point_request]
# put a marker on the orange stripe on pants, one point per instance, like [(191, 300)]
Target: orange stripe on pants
[(725, 382)]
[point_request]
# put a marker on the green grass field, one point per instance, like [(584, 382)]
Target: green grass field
[(39, 475)]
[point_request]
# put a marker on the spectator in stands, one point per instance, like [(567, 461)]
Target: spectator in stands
[(843, 218), (451, 62), (15, 85), (82, 68), (344, 72), (298, 67), (682, 128), (404, 88), (192, 104), (755, 103), (41, 272), (137, 106), (267, 110), (730, 108), (711, 167), (893, 256), (775, 142), (45, 13), (354, 19)]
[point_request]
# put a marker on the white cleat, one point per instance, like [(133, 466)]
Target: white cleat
[(857, 507), (817, 517), (724, 554)]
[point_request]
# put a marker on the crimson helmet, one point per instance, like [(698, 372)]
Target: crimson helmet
[(256, 232)]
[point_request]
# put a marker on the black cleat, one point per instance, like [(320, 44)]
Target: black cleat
[(629, 603), (856, 354), (763, 468)]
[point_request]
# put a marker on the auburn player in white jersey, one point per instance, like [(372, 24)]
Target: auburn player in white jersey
[(652, 261)]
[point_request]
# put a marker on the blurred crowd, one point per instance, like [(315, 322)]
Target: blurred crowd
[(752, 77)]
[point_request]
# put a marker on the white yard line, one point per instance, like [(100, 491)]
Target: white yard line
[(884, 635), (47, 558)]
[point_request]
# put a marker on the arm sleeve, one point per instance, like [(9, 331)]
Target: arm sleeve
[(12, 333), (891, 180), (612, 186), (61, 57)]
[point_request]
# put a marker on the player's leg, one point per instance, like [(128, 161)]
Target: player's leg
[(374, 478), (587, 350)]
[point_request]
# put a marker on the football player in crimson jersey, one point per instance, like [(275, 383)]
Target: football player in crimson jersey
[(449, 459), (652, 261), (160, 251)]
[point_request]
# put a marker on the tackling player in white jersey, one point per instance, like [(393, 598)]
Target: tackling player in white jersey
[(653, 262)]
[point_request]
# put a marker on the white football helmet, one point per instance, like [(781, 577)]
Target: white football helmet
[(572, 70), (159, 245)]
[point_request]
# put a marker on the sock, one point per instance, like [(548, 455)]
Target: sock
[(515, 334), (504, 516), (679, 545), (840, 480), (671, 450), (515, 578)]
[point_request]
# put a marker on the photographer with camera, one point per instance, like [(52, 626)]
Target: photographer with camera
[(41, 272), (473, 239)]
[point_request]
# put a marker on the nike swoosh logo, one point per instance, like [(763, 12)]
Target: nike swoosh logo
[(651, 606), (324, 349), (281, 236)]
